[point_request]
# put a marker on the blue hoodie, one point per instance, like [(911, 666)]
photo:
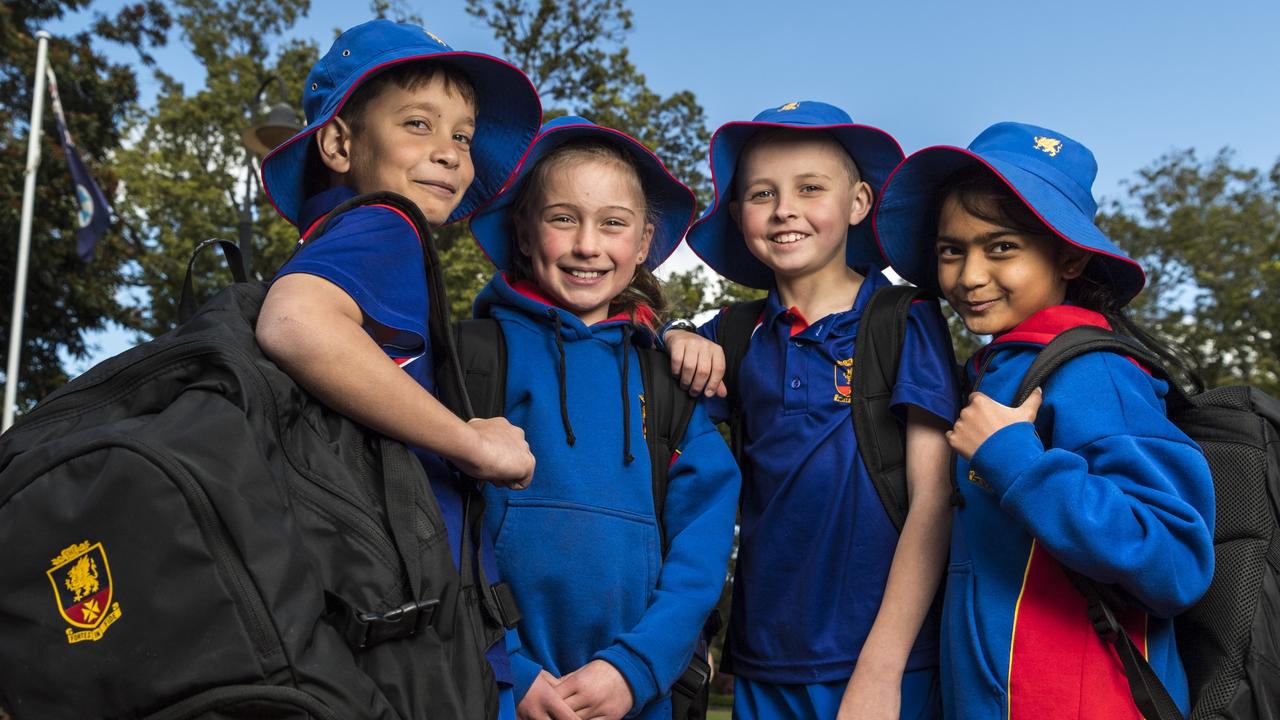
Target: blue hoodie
[(1102, 483), (580, 546)]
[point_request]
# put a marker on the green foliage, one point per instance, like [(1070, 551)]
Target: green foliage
[(65, 298), (1208, 233), (186, 174)]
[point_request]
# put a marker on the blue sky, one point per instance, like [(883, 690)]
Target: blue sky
[(1130, 79)]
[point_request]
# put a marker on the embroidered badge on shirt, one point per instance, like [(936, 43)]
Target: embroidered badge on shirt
[(82, 587), (842, 373)]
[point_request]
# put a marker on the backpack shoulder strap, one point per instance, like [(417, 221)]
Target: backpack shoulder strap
[(734, 334), (482, 362), (667, 410), (876, 355), (1078, 341), (1149, 694)]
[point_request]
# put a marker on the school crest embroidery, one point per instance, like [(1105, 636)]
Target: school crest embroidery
[(842, 373), (789, 106), (82, 587), (1049, 145)]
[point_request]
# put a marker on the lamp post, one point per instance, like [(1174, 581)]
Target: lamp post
[(269, 129)]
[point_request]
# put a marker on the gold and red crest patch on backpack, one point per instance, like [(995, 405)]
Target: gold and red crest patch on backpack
[(81, 579)]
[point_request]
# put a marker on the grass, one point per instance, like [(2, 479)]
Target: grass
[(718, 714)]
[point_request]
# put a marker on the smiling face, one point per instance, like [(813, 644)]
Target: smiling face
[(585, 231), (795, 196), (995, 276), (415, 142)]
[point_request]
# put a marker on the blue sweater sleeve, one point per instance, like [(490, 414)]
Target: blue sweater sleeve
[(524, 669), (1120, 495), (702, 501)]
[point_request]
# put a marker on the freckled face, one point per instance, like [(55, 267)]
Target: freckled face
[(589, 233), (416, 143), (995, 277)]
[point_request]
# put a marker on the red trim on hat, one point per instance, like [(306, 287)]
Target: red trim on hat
[(711, 160), (360, 81), (518, 172), (1014, 190)]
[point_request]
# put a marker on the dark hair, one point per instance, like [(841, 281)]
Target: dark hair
[(985, 196), (982, 194), (408, 76), (644, 288)]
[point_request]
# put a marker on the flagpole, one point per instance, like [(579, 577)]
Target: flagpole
[(24, 233)]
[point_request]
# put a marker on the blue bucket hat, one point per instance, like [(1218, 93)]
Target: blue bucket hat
[(717, 239), (673, 202), (1051, 173), (508, 110)]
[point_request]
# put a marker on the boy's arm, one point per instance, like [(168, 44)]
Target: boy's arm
[(876, 686), (314, 330), (696, 358)]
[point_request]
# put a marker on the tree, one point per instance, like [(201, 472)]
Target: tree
[(66, 298), (1208, 234), (186, 174)]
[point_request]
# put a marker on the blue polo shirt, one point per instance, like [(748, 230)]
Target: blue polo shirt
[(815, 542), (373, 254)]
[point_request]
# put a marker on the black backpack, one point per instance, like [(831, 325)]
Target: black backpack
[(482, 360), (877, 352), (188, 534), (1230, 639)]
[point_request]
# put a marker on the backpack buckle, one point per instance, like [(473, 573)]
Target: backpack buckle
[(365, 629), (1104, 621)]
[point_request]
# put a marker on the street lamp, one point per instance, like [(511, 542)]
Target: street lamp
[(270, 129)]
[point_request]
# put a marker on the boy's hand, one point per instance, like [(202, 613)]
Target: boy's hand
[(596, 690), (543, 702), (698, 362), (870, 695), (984, 417), (499, 454)]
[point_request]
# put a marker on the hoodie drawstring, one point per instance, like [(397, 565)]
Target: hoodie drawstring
[(564, 408), (627, 457)]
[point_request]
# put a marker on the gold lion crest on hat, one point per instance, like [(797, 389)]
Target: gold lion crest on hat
[(1051, 146), (789, 106)]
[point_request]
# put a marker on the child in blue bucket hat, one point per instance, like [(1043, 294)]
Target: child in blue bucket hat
[(1086, 476), (610, 616), (391, 107), (831, 604)]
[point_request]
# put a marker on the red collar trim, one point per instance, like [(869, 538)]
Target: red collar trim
[(798, 322), (644, 315), (1045, 325)]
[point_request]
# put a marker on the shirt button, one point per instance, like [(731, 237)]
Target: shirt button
[(795, 383)]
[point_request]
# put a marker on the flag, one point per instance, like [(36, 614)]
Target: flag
[(95, 213)]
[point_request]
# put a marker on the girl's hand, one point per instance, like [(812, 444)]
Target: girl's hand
[(543, 702), (697, 362), (984, 417), (871, 696), (596, 690)]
